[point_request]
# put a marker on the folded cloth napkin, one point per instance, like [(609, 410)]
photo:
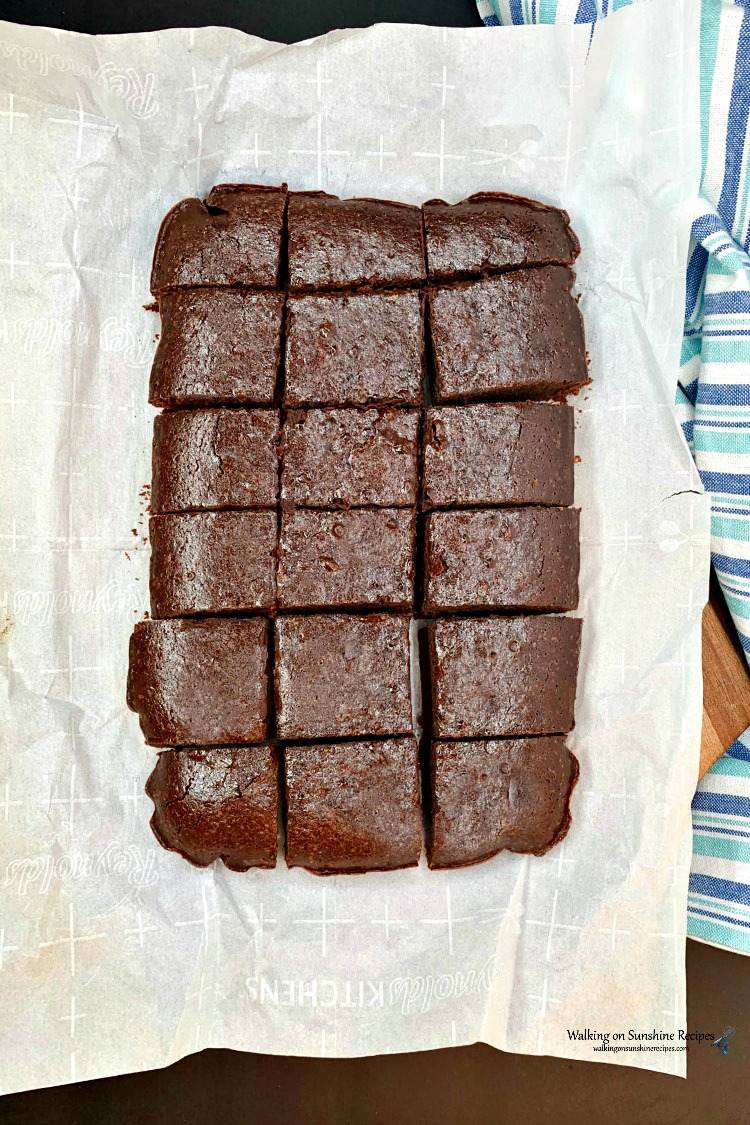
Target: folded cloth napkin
[(713, 406)]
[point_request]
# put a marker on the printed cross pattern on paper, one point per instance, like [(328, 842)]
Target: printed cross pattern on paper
[(364, 554)]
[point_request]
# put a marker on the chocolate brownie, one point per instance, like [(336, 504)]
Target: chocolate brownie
[(234, 238), (217, 346), (200, 682), (498, 453), (517, 335), (354, 348), (350, 458), (217, 804), (215, 459), (509, 558), (512, 794), (344, 243), (503, 675), (349, 559), (353, 806), (492, 231), (341, 676), (212, 562)]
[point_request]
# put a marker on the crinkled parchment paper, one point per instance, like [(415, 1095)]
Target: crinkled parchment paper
[(116, 955)]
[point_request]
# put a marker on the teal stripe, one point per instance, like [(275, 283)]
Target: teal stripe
[(710, 21), (701, 900), (719, 934), (724, 499), (721, 847), (742, 198), (720, 441), (728, 528), (732, 767), (715, 413), (741, 583), (722, 351), (737, 605), (547, 11), (690, 349), (718, 819)]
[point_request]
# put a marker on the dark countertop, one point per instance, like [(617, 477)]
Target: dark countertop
[(476, 1084)]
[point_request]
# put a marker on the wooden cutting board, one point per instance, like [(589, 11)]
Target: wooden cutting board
[(726, 681)]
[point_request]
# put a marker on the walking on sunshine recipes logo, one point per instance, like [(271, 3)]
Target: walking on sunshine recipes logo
[(653, 1040)]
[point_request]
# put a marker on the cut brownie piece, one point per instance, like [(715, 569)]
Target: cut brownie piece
[(510, 558), (217, 346), (502, 453), (342, 676), (517, 335), (350, 458), (354, 348), (215, 459), (348, 559), (200, 682), (511, 794), (353, 806), (212, 562), (234, 238), (343, 243), (503, 675), (492, 231), (217, 804)]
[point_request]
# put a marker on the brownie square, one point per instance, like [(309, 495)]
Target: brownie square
[(498, 453), (217, 804), (212, 562), (348, 559), (354, 348), (508, 558), (487, 797), (503, 675), (200, 682), (344, 243), (215, 459), (492, 231), (353, 806), (234, 238), (217, 346), (350, 458), (342, 676), (517, 335)]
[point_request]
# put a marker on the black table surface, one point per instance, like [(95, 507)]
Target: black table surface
[(476, 1084)]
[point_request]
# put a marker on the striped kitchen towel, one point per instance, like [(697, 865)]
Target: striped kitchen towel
[(713, 406)]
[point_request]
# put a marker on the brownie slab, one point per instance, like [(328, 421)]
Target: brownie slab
[(508, 558), (217, 804), (512, 794), (353, 806), (217, 346), (492, 231), (212, 562), (498, 453), (215, 459), (503, 675), (350, 458), (349, 559), (200, 682), (234, 238), (517, 335), (342, 676), (354, 348), (344, 243)]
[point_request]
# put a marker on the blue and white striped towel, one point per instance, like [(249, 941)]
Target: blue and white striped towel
[(713, 405)]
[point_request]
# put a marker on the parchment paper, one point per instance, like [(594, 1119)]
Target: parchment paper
[(118, 956)]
